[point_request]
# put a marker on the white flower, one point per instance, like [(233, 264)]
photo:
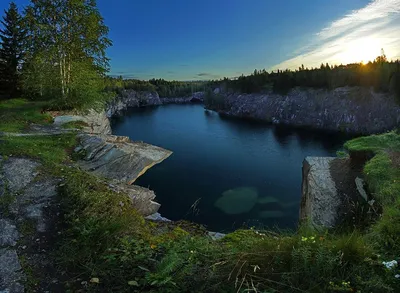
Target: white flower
[(397, 276), (390, 264)]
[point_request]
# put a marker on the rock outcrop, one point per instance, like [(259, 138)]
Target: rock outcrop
[(348, 109), (330, 191), (320, 200), (96, 121)]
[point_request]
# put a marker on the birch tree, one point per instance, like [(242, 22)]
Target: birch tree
[(68, 39)]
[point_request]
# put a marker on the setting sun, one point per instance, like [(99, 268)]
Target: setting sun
[(361, 50)]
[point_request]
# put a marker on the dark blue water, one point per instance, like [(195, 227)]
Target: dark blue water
[(225, 173)]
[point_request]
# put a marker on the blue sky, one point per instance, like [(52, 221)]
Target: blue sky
[(208, 39)]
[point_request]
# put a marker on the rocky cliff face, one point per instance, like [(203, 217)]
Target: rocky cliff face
[(349, 109), (130, 98), (197, 97)]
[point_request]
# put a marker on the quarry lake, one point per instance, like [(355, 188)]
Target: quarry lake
[(225, 173)]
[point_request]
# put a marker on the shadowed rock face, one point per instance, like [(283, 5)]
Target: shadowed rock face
[(131, 98), (348, 109)]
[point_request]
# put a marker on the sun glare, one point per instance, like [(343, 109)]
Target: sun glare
[(361, 50)]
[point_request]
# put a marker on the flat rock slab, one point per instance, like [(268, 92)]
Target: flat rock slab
[(10, 272), (18, 173), (118, 158)]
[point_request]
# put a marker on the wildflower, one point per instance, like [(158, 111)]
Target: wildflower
[(390, 264), (397, 276), (153, 246)]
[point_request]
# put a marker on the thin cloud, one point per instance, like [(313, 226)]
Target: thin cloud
[(205, 75), (357, 36)]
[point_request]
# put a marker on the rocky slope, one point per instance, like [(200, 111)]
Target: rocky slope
[(348, 109)]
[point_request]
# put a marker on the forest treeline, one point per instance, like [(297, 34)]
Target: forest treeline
[(381, 74), (165, 89)]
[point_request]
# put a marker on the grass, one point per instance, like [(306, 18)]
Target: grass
[(50, 150), (382, 173), (107, 244), (17, 114), (374, 143)]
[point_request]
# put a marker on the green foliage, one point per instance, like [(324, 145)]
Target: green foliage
[(11, 51), (51, 150), (17, 114), (65, 52), (165, 89), (374, 143), (382, 174)]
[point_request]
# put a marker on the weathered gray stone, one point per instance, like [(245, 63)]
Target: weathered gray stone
[(18, 173), (36, 197), (119, 159), (141, 198), (10, 272), (360, 188), (96, 121), (157, 218), (60, 120), (216, 235), (320, 200), (8, 233)]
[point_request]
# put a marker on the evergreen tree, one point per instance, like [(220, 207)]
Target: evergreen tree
[(11, 51)]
